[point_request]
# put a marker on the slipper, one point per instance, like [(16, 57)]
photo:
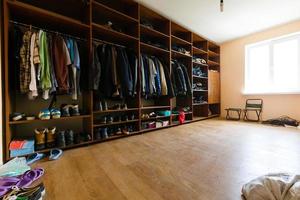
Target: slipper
[(55, 154), (29, 177), (34, 157)]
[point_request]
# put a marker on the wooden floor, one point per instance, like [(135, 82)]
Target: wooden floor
[(205, 160)]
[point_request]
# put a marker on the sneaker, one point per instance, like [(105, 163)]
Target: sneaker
[(55, 113), (17, 116), (115, 107), (131, 117), (65, 110), (74, 110), (60, 139), (109, 119), (40, 139), (125, 131), (105, 107), (69, 136), (44, 114), (50, 133), (118, 131), (124, 106), (85, 136), (55, 154), (34, 157)]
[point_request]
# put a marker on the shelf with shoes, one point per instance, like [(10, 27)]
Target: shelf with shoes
[(114, 123), (53, 119), (120, 23)]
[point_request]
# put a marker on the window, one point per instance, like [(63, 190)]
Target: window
[(273, 66)]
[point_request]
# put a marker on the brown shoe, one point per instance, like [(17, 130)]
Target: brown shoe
[(51, 135), (40, 138)]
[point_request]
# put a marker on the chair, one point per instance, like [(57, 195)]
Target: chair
[(253, 105), (237, 110)]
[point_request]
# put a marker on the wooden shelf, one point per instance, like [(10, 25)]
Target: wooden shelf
[(112, 34), (200, 77), (110, 11), (177, 54), (200, 104), (114, 111), (114, 123), (212, 54), (49, 120), (28, 14), (200, 90), (155, 118), (187, 113), (152, 49), (155, 107), (152, 32), (180, 41), (213, 63), (197, 51), (203, 65)]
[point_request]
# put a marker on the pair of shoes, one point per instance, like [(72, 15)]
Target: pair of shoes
[(33, 193), (101, 106), (69, 110), (46, 114), (66, 138), (44, 138), (106, 120), (54, 155), (119, 107), (100, 133), (145, 116)]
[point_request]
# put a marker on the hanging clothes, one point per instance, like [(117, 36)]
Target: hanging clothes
[(34, 60), (61, 61), (180, 79), (45, 76), (25, 63)]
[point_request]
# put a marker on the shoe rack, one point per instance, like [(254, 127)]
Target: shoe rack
[(86, 19)]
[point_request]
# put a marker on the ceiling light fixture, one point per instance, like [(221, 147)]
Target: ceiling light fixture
[(221, 5)]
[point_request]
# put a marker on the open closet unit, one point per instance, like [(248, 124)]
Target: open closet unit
[(186, 70)]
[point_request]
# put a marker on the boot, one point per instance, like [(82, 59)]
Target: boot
[(51, 137), (69, 135), (60, 139), (104, 134), (40, 139)]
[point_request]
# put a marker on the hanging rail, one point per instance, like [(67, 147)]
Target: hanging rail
[(46, 30), (105, 42)]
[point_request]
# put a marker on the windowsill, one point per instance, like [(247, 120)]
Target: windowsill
[(271, 93)]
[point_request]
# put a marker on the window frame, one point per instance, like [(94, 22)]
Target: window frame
[(270, 43)]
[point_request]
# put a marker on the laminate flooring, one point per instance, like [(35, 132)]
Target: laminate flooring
[(206, 160)]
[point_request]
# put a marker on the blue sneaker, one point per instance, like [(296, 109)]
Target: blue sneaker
[(44, 114), (55, 154), (55, 113), (34, 157)]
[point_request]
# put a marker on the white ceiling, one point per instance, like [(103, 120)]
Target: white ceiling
[(240, 17)]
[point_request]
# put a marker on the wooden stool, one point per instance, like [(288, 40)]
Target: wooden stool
[(238, 110)]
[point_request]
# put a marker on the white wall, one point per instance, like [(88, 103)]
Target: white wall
[(232, 75)]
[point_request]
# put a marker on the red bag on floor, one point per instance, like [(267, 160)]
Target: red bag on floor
[(181, 117)]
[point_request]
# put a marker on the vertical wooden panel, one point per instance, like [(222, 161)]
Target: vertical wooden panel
[(213, 87)]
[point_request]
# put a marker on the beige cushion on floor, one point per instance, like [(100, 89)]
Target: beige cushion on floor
[(273, 187)]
